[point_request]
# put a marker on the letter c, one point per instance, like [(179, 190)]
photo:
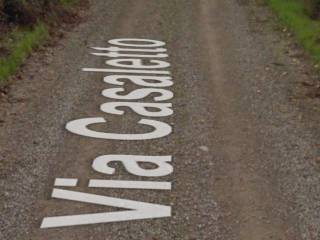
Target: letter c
[(80, 127)]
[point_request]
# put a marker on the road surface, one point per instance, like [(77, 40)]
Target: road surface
[(236, 155)]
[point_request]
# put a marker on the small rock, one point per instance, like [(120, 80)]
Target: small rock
[(204, 148)]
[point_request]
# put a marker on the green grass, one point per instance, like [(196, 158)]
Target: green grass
[(20, 44), (68, 3), (306, 30), (22, 41)]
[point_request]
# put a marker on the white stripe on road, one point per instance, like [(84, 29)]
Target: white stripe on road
[(139, 210), (66, 182), (97, 183)]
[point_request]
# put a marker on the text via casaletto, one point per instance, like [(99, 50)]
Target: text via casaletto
[(142, 63)]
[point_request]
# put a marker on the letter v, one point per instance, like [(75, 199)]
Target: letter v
[(140, 210)]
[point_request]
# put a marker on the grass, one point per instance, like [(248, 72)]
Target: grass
[(22, 41), (20, 44), (306, 30), (68, 3)]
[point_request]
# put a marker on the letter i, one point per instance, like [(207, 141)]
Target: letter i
[(66, 182)]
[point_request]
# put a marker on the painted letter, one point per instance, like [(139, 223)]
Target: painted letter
[(138, 94), (117, 49), (138, 210), (152, 185), (131, 164), (119, 55), (137, 63), (139, 42), (146, 81), (80, 127), (140, 108)]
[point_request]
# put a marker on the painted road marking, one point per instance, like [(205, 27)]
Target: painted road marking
[(80, 127), (117, 49), (138, 210), (106, 70), (116, 54), (145, 80), (66, 182), (151, 81), (98, 183)]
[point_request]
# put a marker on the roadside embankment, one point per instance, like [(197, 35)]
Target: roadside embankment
[(26, 25), (303, 18)]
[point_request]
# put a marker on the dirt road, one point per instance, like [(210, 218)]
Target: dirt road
[(242, 139)]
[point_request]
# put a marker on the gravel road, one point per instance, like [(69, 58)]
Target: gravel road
[(245, 140)]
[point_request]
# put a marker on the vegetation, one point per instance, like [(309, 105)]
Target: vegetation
[(24, 26), (68, 3), (302, 16), (21, 44)]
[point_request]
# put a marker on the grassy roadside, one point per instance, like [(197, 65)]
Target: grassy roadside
[(21, 44), (20, 41), (305, 29)]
